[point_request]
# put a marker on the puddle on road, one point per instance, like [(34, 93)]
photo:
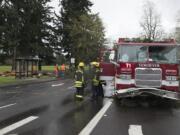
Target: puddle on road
[(77, 118), (67, 100), (72, 119)]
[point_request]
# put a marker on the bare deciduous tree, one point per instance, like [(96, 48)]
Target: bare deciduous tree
[(151, 22)]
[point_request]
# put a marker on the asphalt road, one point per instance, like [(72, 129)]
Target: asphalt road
[(45, 109), (140, 117), (50, 109)]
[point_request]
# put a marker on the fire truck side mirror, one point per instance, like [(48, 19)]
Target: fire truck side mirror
[(112, 55), (151, 60), (115, 63), (178, 61)]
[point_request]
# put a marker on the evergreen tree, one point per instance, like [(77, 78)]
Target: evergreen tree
[(82, 33), (26, 28), (88, 37), (9, 29)]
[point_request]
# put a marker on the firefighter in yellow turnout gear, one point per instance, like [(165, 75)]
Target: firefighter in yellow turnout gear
[(79, 81), (95, 81)]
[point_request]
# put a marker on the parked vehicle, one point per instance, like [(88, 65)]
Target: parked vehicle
[(141, 68)]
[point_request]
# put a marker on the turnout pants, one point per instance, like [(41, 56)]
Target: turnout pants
[(100, 91), (80, 91), (95, 91)]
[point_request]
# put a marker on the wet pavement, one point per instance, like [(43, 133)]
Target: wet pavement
[(57, 110), (160, 118), (50, 109)]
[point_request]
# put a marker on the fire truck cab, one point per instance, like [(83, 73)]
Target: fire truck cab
[(141, 68)]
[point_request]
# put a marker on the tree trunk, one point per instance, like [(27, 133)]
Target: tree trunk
[(14, 60)]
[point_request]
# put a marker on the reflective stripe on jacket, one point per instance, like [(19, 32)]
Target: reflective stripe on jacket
[(79, 78), (96, 78), (78, 84)]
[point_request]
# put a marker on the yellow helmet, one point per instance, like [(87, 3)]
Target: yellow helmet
[(97, 64), (93, 63), (81, 64)]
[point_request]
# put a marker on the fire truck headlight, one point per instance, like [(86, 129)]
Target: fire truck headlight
[(125, 77), (171, 78)]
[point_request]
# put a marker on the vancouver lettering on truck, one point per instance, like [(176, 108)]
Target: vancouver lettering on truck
[(142, 68)]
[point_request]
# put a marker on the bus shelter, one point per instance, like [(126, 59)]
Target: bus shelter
[(27, 67)]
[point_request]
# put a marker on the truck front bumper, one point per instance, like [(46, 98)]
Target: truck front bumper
[(132, 92)]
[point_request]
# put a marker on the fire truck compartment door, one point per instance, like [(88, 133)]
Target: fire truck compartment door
[(107, 71)]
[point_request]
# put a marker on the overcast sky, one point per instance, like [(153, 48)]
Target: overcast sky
[(121, 17)]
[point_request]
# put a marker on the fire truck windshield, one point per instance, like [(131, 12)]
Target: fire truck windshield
[(162, 54), (159, 54), (133, 53)]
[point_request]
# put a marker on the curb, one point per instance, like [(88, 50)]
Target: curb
[(27, 83)]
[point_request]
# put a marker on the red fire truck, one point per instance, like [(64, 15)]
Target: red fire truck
[(141, 68)]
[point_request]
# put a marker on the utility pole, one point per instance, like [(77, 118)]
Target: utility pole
[(14, 57)]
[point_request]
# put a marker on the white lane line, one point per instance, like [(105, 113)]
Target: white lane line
[(135, 130), (17, 125), (92, 124), (69, 88), (7, 106), (55, 85)]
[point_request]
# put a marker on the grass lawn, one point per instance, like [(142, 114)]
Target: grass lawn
[(11, 79), (47, 68), (7, 80), (5, 68), (8, 68)]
